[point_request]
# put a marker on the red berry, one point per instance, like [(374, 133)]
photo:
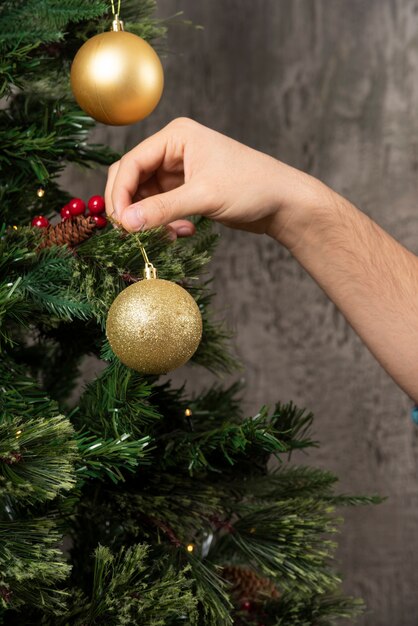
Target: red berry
[(247, 606), (96, 205), (65, 212), (77, 206), (40, 221), (100, 220)]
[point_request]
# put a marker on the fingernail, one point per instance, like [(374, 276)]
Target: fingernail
[(133, 219), (184, 231)]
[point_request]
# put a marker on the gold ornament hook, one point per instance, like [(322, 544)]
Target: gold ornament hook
[(117, 24), (149, 270)]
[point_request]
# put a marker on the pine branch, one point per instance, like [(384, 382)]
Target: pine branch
[(111, 458), (127, 590), (21, 395), (36, 458), (209, 408), (248, 443), (15, 62), (37, 286), (33, 21), (47, 285), (321, 610), (184, 506), (211, 591), (117, 402), (302, 481), (281, 540), (31, 565)]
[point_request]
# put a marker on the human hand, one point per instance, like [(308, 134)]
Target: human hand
[(187, 169)]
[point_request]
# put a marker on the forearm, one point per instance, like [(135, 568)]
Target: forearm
[(371, 278)]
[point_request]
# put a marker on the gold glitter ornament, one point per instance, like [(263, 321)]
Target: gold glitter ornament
[(154, 325)]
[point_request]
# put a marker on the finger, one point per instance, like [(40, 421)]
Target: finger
[(164, 208), (136, 167), (171, 233), (111, 175), (182, 228)]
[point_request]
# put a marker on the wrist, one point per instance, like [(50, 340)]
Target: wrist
[(309, 208)]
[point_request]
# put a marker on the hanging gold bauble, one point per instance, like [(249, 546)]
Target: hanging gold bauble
[(154, 326), (117, 77)]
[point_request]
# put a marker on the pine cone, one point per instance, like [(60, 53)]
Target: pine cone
[(71, 232), (246, 585)]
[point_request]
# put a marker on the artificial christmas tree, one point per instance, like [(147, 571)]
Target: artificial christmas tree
[(139, 504)]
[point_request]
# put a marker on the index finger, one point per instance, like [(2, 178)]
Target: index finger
[(136, 167)]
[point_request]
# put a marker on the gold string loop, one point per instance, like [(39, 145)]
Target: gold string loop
[(115, 13)]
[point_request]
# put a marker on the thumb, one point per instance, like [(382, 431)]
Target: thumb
[(162, 208)]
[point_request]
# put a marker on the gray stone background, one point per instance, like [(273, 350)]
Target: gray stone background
[(331, 87)]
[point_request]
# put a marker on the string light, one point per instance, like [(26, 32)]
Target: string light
[(188, 412), (40, 192), (190, 547), (18, 433)]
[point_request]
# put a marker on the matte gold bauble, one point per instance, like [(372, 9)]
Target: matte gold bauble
[(154, 326), (117, 77)]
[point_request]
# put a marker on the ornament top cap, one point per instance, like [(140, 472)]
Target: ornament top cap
[(117, 24), (150, 271)]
